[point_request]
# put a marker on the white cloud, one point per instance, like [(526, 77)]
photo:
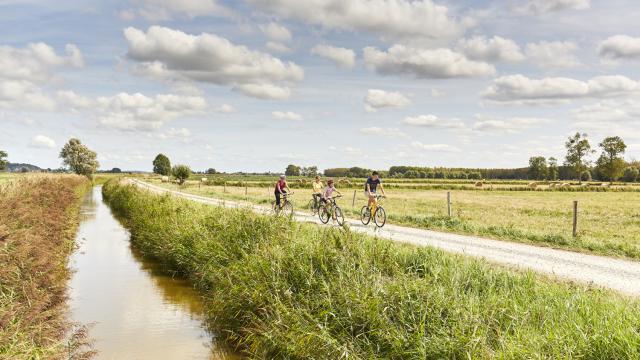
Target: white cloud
[(432, 121), (424, 63), (173, 133), (538, 7), (212, 59), (286, 115), (388, 18), (162, 10), (139, 112), (343, 57), (620, 47), (511, 125), (495, 49), (73, 100), (277, 47), (24, 95), (608, 111), (555, 54), (377, 99), (41, 141), (225, 109), (434, 147), (388, 132), (520, 89), (277, 32)]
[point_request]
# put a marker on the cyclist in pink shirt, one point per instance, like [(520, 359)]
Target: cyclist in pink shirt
[(328, 191), (281, 188)]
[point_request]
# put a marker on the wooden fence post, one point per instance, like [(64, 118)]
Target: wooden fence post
[(353, 202), (575, 218), (449, 203), (225, 186)]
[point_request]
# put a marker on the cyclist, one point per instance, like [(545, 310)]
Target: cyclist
[(281, 189), (371, 187), (328, 191), (317, 191)]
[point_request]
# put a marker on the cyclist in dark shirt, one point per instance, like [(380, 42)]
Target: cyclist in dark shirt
[(371, 187)]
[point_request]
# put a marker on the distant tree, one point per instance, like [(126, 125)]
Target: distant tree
[(578, 148), (292, 170), (610, 165), (3, 160), (79, 158), (552, 169), (24, 170), (310, 171), (116, 170), (537, 168), (585, 176), (181, 173), (211, 171), (631, 174), (162, 165)]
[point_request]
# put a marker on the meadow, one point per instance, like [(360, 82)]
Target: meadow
[(608, 219), (276, 288)]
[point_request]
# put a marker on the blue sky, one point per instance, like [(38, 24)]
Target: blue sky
[(255, 85)]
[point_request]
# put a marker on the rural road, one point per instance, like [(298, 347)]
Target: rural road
[(617, 274)]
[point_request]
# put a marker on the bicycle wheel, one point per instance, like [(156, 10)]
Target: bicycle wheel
[(338, 215), (287, 209), (365, 215), (381, 217), (311, 206), (323, 214)]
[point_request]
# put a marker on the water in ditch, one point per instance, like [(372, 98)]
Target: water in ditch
[(137, 310)]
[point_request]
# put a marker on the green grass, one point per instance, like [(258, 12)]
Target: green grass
[(280, 289), (608, 221)]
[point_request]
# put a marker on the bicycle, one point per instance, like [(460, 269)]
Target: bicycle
[(314, 205), (331, 210), (376, 211), (286, 207)]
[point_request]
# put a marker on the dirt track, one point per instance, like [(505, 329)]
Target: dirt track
[(616, 274)]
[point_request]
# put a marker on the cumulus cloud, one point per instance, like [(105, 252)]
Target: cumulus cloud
[(24, 95), (139, 112), (432, 121), (555, 54), (162, 10), (620, 47), (377, 99), (434, 147), (173, 133), (608, 111), (41, 141), (343, 57), (389, 18), (424, 63), (495, 49), (277, 47), (388, 132), (225, 109), (519, 89), (211, 59), (539, 7), (510, 125), (277, 32), (286, 115)]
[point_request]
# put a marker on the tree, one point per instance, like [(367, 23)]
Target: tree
[(537, 168), (292, 170), (162, 165), (578, 148), (79, 158), (552, 169), (310, 171), (181, 173), (3, 160), (631, 174), (116, 170), (610, 164), (211, 171)]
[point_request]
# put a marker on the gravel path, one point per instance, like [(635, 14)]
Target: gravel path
[(616, 274)]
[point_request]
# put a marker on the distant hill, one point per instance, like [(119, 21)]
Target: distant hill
[(17, 167)]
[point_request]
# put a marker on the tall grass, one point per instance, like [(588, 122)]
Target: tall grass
[(280, 289)]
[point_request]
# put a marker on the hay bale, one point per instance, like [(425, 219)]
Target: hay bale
[(565, 185), (533, 185), (164, 179), (478, 184)]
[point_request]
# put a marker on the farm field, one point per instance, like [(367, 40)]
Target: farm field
[(608, 222), (279, 289)]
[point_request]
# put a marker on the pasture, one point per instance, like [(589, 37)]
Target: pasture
[(608, 218)]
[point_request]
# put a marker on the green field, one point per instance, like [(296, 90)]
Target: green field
[(280, 289), (608, 222)]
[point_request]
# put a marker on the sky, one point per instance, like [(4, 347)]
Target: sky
[(254, 85)]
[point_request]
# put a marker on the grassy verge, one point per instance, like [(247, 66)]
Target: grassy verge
[(280, 289), (38, 219)]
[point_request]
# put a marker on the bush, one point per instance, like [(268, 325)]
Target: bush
[(181, 173), (631, 174)]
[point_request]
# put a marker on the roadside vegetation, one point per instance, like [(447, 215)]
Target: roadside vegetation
[(280, 289), (38, 219)]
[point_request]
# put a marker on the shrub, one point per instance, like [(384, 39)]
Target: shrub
[(181, 173)]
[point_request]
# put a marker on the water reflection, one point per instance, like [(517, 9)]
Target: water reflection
[(139, 311)]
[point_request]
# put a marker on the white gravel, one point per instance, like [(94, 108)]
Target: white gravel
[(616, 274)]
